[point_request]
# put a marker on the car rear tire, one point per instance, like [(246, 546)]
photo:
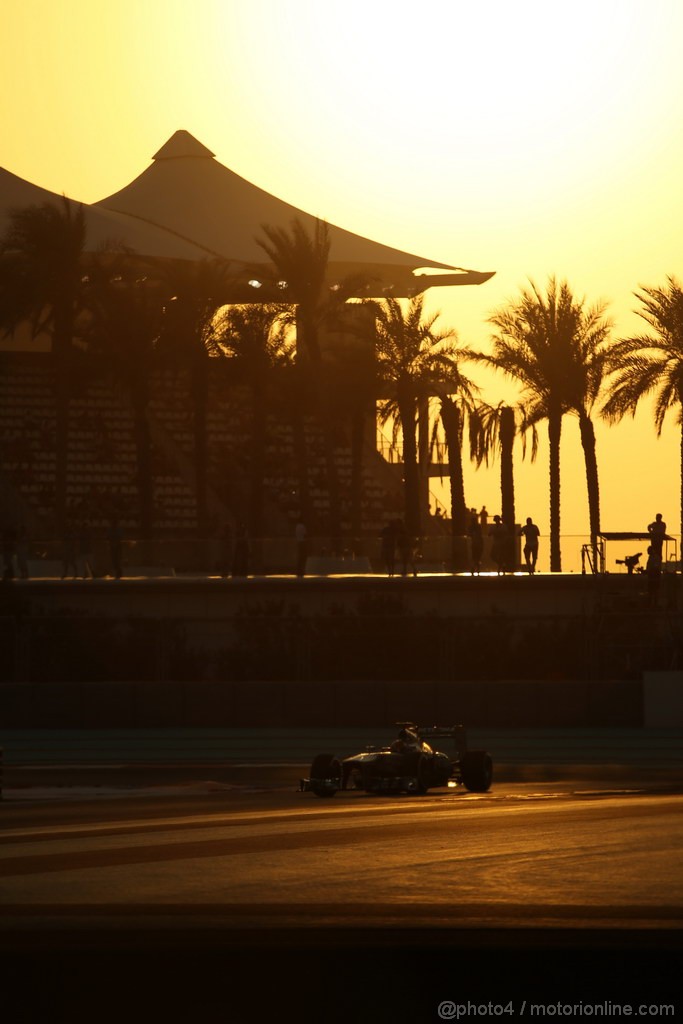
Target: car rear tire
[(325, 767), (476, 771)]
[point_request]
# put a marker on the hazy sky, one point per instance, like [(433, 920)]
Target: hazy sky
[(532, 138)]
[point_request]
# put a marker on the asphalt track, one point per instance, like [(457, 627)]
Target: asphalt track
[(254, 902)]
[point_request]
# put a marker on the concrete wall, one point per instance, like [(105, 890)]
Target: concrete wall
[(358, 703), (663, 700)]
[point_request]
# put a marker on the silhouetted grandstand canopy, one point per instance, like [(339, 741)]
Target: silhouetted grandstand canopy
[(106, 229), (189, 194), (188, 206)]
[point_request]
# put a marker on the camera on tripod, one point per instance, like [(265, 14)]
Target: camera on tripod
[(630, 561)]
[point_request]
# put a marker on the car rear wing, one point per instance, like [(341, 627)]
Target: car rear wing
[(457, 733)]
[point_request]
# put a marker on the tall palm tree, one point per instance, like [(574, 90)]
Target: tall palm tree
[(555, 349), (493, 430), (356, 392), (413, 362), (457, 394), (124, 328), (300, 261), (651, 364), (42, 283), (189, 338), (255, 340)]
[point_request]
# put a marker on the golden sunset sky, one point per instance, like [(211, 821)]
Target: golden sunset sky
[(532, 139)]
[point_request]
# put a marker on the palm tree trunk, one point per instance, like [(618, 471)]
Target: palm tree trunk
[(357, 450), (62, 404), (258, 460), (61, 356), (554, 435), (507, 478), (411, 479), (143, 445), (592, 483), (307, 330), (423, 458), (680, 552), (452, 425), (200, 402), (333, 490), (301, 460)]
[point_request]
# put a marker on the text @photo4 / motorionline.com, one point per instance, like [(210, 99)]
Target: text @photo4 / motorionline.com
[(449, 1009)]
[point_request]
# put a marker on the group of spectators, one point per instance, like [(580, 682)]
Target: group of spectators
[(77, 551), (14, 553), (502, 542)]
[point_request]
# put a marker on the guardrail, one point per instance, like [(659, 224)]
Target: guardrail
[(272, 746)]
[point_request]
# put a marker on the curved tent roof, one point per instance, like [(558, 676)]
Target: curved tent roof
[(193, 197), (107, 230)]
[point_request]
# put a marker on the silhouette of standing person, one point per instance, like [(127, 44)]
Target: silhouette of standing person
[(84, 548), (240, 556), (389, 548), (484, 519), (115, 541), (22, 553), (225, 556), (653, 570), (499, 540), (69, 559), (476, 535), (657, 531), (406, 548), (531, 533), (9, 549), (301, 537)]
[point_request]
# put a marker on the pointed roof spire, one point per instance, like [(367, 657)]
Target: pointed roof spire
[(182, 144)]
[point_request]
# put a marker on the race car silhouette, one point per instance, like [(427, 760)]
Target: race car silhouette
[(408, 765)]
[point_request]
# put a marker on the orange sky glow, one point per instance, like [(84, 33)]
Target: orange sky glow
[(530, 139)]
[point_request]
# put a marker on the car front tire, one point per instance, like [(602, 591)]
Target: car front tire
[(325, 767)]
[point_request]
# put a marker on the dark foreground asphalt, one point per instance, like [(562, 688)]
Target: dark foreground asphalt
[(352, 974)]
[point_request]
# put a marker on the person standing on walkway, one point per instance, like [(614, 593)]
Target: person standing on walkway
[(301, 538), (115, 542), (9, 550), (389, 548), (22, 553), (657, 531), (84, 546), (531, 533), (69, 559), (225, 555), (240, 556), (406, 549), (476, 536)]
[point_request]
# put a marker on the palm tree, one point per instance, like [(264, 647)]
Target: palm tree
[(413, 363), (189, 338), (42, 283), (125, 324), (255, 340), (494, 429), (356, 392), (556, 350), (456, 394), (652, 363), (300, 260)]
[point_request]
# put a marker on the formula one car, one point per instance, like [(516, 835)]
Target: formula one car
[(408, 765)]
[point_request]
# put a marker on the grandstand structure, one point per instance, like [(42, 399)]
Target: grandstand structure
[(185, 207)]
